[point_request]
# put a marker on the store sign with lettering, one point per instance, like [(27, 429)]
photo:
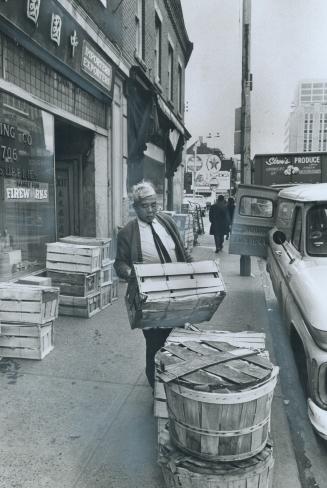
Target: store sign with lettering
[(25, 191), (96, 66), (49, 28)]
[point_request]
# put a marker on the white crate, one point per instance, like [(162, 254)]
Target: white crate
[(106, 291), (27, 342), (73, 258), (28, 304), (105, 244), (106, 274), (80, 306)]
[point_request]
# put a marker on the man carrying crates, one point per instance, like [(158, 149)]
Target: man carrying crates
[(152, 237)]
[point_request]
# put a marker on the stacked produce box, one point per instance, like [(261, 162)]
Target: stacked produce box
[(213, 399), (184, 223), (82, 267), (27, 313), (197, 220), (172, 294)]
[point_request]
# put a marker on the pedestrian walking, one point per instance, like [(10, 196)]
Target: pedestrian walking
[(152, 237), (219, 218), (230, 208)]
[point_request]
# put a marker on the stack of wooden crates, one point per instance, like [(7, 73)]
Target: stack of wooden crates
[(27, 313), (82, 267), (213, 398), (184, 222)]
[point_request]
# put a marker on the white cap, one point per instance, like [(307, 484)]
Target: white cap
[(142, 190)]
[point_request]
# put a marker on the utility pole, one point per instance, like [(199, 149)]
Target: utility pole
[(246, 173)]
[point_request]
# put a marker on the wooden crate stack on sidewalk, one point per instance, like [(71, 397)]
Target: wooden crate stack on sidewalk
[(82, 267), (213, 397), (27, 313), (184, 222)]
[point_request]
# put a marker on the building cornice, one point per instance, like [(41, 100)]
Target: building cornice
[(95, 33), (175, 13)]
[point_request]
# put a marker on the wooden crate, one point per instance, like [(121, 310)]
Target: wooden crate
[(106, 274), (28, 303), (26, 341), (209, 380), (73, 257), (105, 244), (114, 289), (105, 297), (76, 284), (184, 471), (172, 294), (35, 280), (80, 306)]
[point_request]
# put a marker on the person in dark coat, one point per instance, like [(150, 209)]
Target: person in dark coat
[(230, 208), (138, 242), (219, 218)]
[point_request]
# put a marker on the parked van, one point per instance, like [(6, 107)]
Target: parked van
[(289, 228)]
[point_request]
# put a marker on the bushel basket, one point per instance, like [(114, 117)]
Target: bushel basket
[(219, 398), (184, 471)]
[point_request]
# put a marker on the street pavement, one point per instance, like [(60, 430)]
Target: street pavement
[(83, 416)]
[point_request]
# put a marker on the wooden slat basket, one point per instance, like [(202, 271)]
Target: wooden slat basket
[(75, 284), (80, 306), (185, 471), (26, 341), (74, 258), (28, 303), (219, 399), (172, 294), (105, 243)]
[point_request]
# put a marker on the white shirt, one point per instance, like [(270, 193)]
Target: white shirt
[(149, 251)]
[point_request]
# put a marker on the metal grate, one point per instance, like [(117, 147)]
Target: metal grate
[(28, 72)]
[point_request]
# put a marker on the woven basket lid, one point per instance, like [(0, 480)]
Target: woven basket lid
[(213, 366)]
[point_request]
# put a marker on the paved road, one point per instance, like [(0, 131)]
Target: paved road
[(310, 450)]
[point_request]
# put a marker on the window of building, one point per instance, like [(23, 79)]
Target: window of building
[(170, 72), (27, 201), (140, 32), (157, 51), (180, 88)]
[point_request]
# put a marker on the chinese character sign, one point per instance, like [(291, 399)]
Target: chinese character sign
[(56, 28), (33, 10)]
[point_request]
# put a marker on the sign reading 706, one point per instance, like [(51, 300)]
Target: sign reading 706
[(8, 152)]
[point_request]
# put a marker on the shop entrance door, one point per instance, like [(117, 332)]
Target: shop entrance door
[(67, 197)]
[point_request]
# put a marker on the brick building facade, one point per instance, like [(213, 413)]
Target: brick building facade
[(156, 44), (74, 136)]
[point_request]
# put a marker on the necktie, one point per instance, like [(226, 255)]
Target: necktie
[(162, 251)]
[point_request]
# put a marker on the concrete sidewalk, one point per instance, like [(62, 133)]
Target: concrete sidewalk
[(82, 417)]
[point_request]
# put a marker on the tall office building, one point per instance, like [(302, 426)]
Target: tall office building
[(306, 128)]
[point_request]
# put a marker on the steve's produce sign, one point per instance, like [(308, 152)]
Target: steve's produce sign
[(274, 169)]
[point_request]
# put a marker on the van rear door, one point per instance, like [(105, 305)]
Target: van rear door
[(254, 216)]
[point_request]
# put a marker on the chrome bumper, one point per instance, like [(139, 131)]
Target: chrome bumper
[(318, 418)]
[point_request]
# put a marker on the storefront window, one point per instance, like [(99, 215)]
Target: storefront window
[(27, 203)]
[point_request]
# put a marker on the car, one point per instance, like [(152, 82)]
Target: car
[(195, 200), (288, 227)]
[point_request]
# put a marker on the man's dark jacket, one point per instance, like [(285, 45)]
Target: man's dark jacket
[(129, 250), (219, 218)]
